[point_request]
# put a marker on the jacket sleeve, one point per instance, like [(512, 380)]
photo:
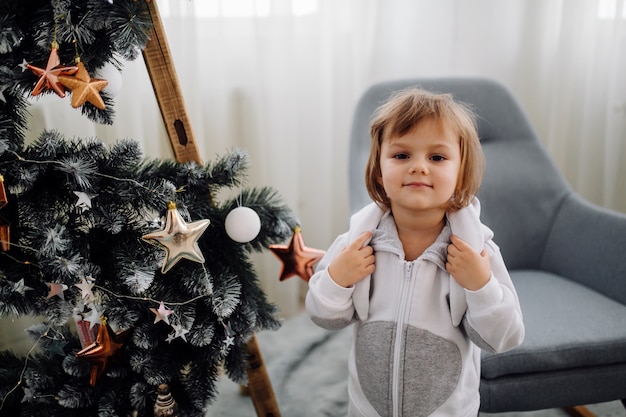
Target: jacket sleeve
[(494, 319), (328, 304)]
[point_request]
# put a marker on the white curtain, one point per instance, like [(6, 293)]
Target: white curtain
[(281, 79)]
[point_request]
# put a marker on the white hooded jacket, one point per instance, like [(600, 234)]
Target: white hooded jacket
[(418, 333)]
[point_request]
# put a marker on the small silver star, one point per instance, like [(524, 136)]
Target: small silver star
[(57, 346), (180, 331), (94, 316), (85, 285), (23, 65), (28, 395), (229, 341), (20, 287), (84, 201)]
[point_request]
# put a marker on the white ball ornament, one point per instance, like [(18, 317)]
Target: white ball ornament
[(242, 224)]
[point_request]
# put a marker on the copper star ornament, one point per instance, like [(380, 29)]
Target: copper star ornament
[(297, 258), (178, 239), (84, 88), (104, 350), (49, 77)]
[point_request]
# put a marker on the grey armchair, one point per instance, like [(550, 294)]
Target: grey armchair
[(566, 256)]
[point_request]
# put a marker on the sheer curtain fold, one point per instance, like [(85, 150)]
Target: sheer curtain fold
[(280, 78)]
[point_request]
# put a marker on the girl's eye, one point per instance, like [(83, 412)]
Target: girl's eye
[(401, 156), (438, 158)]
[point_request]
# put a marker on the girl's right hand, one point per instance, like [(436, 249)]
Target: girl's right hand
[(354, 262)]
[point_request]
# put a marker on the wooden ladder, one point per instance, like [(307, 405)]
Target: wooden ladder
[(169, 96)]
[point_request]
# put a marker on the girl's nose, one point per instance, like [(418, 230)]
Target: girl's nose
[(419, 166)]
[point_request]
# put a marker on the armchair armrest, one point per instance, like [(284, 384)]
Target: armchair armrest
[(587, 244)]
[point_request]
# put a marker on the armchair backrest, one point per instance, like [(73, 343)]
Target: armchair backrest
[(522, 189)]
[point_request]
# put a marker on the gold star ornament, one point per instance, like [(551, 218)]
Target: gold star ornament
[(84, 88), (178, 239), (297, 258)]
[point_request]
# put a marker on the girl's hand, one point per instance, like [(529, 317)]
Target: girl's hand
[(353, 263), (469, 268)]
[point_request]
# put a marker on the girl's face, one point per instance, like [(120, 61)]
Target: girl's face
[(420, 169)]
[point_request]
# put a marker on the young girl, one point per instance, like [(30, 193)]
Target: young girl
[(417, 272)]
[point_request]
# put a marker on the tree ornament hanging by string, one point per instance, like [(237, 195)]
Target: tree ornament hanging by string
[(242, 224), (179, 239), (49, 77), (104, 350), (165, 405), (84, 88), (297, 258)]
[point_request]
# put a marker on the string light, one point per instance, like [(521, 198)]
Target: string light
[(62, 337), (171, 303), (19, 382), (114, 294)]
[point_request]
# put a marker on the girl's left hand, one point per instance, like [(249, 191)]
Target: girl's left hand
[(469, 268)]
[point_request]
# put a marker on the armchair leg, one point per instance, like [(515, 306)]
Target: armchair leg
[(579, 411)]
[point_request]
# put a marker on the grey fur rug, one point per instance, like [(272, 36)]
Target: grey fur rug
[(308, 369)]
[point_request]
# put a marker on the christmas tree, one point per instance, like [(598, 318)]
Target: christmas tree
[(128, 262)]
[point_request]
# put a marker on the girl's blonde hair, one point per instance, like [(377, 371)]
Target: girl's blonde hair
[(401, 113)]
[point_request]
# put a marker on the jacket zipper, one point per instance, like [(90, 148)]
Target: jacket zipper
[(400, 339)]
